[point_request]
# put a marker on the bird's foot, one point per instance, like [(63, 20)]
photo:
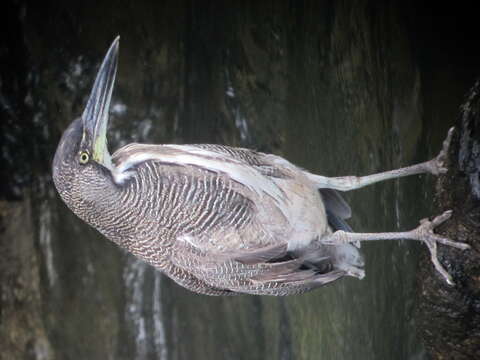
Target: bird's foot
[(425, 233), (437, 165)]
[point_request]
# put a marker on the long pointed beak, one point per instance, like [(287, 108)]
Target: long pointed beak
[(95, 115)]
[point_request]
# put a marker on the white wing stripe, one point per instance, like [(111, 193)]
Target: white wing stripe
[(189, 155)]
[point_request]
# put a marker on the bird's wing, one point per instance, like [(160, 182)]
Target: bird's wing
[(214, 201), (241, 165), (184, 278), (264, 271), (257, 160), (213, 211)]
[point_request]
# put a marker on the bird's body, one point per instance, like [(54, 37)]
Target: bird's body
[(218, 220)]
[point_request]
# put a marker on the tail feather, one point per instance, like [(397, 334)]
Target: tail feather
[(345, 257), (337, 223)]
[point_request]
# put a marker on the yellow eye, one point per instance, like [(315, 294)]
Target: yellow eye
[(84, 158)]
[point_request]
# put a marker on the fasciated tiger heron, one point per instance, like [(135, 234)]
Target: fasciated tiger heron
[(219, 220)]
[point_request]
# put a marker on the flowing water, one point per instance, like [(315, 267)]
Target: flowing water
[(335, 87)]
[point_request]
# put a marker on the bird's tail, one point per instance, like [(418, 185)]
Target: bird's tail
[(345, 257)]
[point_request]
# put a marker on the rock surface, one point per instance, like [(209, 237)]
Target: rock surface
[(449, 317)]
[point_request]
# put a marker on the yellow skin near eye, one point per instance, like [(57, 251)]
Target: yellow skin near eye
[(84, 158)]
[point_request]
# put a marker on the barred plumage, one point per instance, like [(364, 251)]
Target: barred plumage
[(217, 220), (205, 228)]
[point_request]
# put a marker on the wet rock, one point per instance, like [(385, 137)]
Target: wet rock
[(22, 330), (469, 152), (449, 317)]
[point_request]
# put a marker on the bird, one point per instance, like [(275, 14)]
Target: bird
[(220, 220)]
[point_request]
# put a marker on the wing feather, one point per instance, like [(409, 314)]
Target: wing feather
[(259, 265), (255, 178)]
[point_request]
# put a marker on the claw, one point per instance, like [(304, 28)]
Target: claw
[(425, 233), (441, 218), (437, 165)]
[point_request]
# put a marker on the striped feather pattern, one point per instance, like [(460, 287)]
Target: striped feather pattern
[(215, 219)]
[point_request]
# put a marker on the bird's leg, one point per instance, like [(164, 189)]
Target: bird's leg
[(424, 232), (435, 166)]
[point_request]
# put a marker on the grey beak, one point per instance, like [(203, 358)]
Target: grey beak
[(95, 115)]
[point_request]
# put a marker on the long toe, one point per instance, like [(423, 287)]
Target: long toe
[(425, 233)]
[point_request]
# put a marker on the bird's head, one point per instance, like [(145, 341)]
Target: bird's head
[(84, 144)]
